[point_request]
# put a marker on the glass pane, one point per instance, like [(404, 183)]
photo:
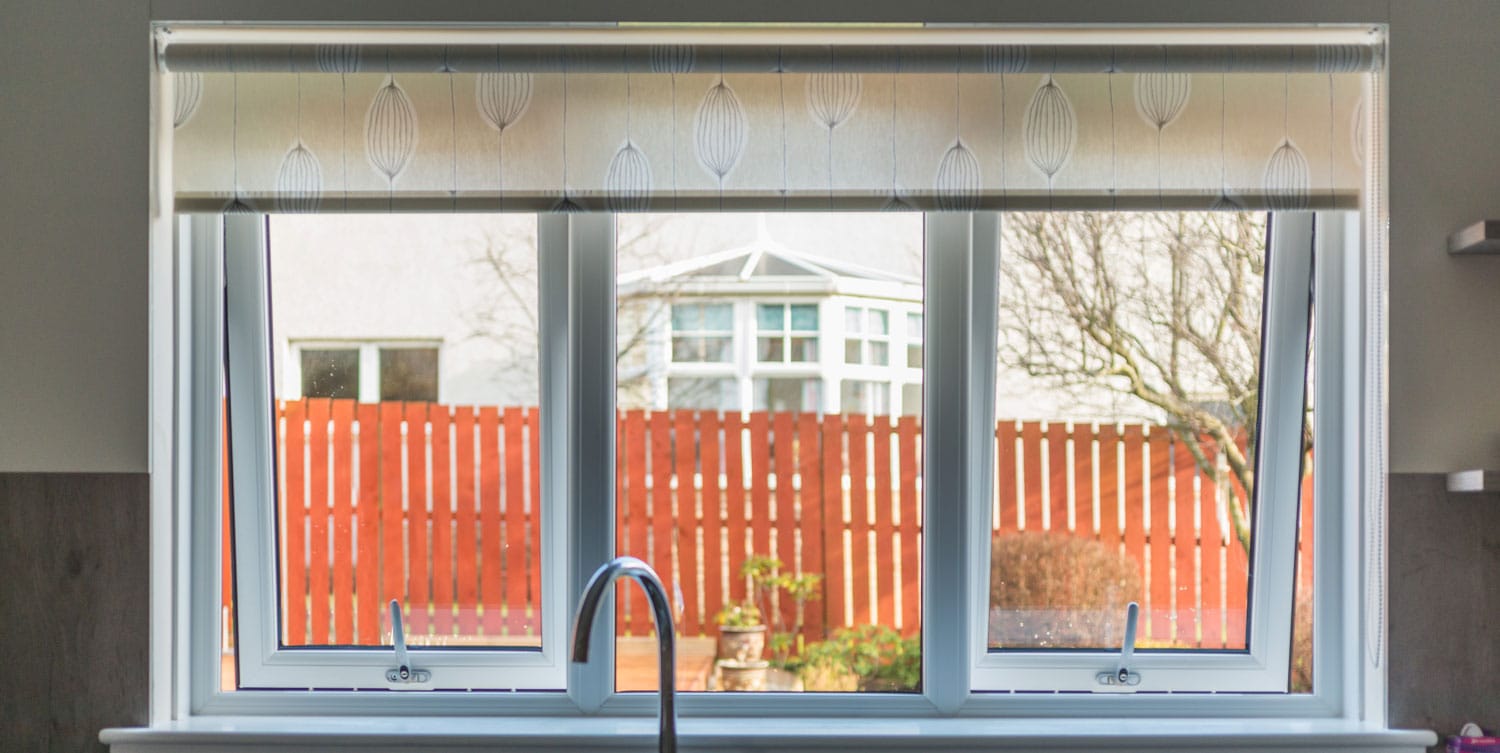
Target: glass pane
[(854, 320), (407, 498), (717, 349), (914, 326), (686, 349), (852, 351), (330, 373), (804, 349), (770, 317), (911, 399), (771, 349), (880, 353), (718, 317), (1108, 492), (791, 534), (880, 323), (409, 374), (914, 356), (804, 318), (685, 317)]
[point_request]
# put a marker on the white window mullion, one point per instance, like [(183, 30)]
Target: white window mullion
[(589, 499), (946, 484)]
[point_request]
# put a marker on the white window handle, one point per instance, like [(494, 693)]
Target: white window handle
[(1122, 676), (403, 673)]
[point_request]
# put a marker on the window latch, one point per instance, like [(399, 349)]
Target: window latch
[(403, 673), (1122, 676)]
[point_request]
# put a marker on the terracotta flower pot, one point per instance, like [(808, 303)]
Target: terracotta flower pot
[(747, 676), (742, 644)]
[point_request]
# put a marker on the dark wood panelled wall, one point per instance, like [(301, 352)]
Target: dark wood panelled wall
[(74, 608)]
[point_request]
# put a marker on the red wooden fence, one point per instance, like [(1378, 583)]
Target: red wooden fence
[(437, 506)]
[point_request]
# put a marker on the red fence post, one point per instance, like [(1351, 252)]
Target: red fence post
[(318, 575), (367, 567), (1134, 522), (442, 519), (1159, 595), (810, 518), (734, 503), (885, 564), (418, 557), (1185, 544), (466, 532), (294, 602), (514, 514), (491, 549), (1211, 549), (662, 516), (910, 530), (687, 522), (833, 522), (709, 426), (343, 522)]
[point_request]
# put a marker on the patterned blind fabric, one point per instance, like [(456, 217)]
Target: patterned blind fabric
[(305, 128)]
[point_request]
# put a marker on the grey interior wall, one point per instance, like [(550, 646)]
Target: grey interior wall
[(1445, 603), (73, 636), (73, 287)]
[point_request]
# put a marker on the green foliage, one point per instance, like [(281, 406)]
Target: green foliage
[(738, 616), (878, 656)]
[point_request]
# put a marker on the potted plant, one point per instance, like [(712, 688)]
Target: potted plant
[(742, 634)]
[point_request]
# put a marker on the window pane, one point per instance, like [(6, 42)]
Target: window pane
[(879, 322), (880, 353), (685, 317), (409, 374), (405, 498), (854, 320), (770, 349), (804, 318), (804, 349), (852, 351), (914, 356), (914, 326), (799, 525), (717, 349), (911, 399), (771, 317), (718, 317), (1107, 494), (330, 373)]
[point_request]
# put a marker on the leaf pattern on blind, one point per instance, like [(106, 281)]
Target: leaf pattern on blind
[(1050, 128), (502, 98), (628, 182), (833, 97), (1161, 97), (390, 130), (673, 58), (720, 130), (958, 180), (299, 182), (339, 58), (1287, 179), (187, 92)]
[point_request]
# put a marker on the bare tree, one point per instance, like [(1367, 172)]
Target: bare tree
[(507, 317), (1162, 308)]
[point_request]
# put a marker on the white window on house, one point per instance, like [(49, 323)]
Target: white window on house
[(779, 394), (786, 332), (369, 372), (913, 341), (702, 332), (858, 396), (867, 337)]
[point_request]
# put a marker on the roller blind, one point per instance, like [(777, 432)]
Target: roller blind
[(925, 119)]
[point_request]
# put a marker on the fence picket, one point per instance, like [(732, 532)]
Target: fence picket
[(784, 546), (1211, 553), (685, 448), (760, 495), (318, 573), (513, 513), (1185, 582), (1058, 503), (1008, 513), (1030, 483), (466, 531), (1159, 537), (534, 519), (294, 513), (418, 560), (1237, 574), (639, 524), (442, 520), (342, 524), (810, 517), (491, 551), (709, 427), (367, 567), (910, 526), (734, 503), (834, 592), (663, 517), (1134, 523), (885, 565), (859, 520)]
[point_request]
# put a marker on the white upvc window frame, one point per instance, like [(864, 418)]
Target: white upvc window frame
[(577, 256), (1264, 667)]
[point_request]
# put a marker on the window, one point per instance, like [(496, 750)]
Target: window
[(664, 392), (786, 332), (867, 336), (914, 341), (702, 332), (368, 372)]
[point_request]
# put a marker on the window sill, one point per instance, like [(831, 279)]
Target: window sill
[(638, 733)]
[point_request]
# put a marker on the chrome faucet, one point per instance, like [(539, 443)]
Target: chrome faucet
[(661, 609)]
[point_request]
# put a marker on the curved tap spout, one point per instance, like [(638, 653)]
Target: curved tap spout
[(661, 609)]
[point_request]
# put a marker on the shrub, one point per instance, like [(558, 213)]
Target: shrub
[(879, 658), (1056, 590)]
